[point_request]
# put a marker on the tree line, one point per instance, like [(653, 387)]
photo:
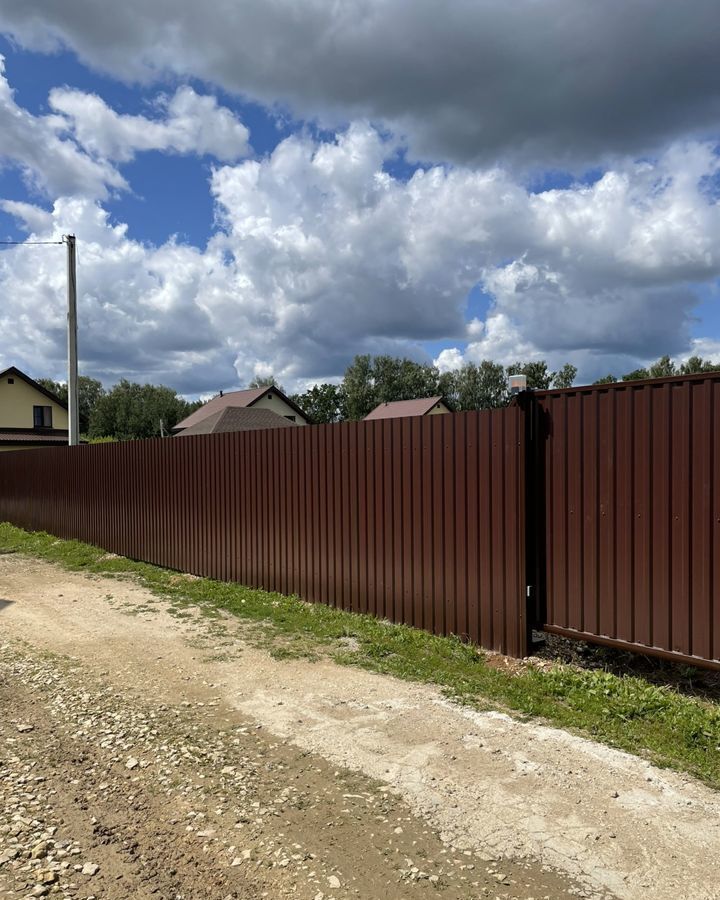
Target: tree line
[(129, 411), (125, 412), (665, 368), (372, 380)]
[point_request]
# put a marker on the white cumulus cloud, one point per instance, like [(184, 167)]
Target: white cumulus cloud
[(320, 254), (48, 162), (189, 123), (76, 150)]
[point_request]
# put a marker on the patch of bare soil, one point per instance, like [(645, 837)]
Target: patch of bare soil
[(109, 790), (345, 783), (105, 795), (79, 817)]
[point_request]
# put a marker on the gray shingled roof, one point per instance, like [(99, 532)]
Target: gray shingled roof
[(236, 399), (237, 418), (224, 401)]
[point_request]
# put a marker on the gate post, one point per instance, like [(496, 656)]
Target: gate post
[(534, 501)]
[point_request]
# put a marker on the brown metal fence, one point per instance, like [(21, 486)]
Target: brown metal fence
[(626, 515), (432, 521), (420, 520)]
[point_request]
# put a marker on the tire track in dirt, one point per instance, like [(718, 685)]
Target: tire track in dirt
[(108, 795), (488, 787)]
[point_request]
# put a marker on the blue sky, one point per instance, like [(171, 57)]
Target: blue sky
[(281, 193), (155, 209)]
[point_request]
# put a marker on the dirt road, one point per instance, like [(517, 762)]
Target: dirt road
[(142, 755)]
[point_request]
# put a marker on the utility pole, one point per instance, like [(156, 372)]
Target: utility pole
[(74, 430)]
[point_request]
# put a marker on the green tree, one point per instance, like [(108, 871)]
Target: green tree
[(564, 377), (359, 387), (402, 379), (696, 365), (636, 375), (89, 392), (59, 388), (129, 411), (322, 403), (481, 386), (606, 379), (265, 382), (371, 380), (539, 377), (663, 368)]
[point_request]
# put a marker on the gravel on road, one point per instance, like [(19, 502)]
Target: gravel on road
[(183, 762)]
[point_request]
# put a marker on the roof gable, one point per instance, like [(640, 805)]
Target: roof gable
[(14, 372), (235, 399)]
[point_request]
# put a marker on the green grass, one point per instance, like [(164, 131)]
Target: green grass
[(657, 722)]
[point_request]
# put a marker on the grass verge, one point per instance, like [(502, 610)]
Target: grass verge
[(627, 712)]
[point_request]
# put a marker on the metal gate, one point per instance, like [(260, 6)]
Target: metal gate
[(624, 515)]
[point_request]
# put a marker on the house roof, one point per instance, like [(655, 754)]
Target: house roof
[(14, 372), (237, 418), (12, 436), (234, 399), (400, 408)]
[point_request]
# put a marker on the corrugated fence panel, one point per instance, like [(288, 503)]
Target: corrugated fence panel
[(628, 514), (421, 521)]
